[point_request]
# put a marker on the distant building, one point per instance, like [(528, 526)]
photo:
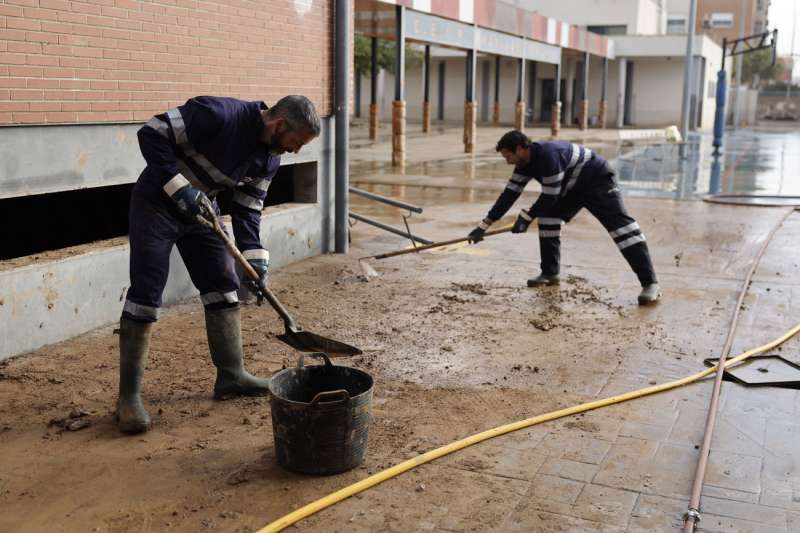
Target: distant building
[(720, 18)]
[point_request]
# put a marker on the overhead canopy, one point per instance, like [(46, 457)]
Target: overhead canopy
[(489, 26)]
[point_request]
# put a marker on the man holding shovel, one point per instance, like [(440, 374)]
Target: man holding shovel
[(193, 152), (572, 177)]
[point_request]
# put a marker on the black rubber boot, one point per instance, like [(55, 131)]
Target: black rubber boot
[(543, 280), (134, 341), (224, 330)]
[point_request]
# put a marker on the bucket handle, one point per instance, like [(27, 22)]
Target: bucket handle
[(301, 359), (330, 396)]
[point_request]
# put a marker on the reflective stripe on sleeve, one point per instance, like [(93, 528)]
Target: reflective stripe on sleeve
[(258, 253), (181, 137), (248, 201), (175, 184)]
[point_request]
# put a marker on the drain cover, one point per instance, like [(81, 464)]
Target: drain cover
[(763, 371)]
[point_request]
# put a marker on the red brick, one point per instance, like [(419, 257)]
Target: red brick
[(144, 17), (116, 54), (102, 42), (61, 5), (41, 37), (88, 9), (75, 62), (103, 85), (14, 106), (27, 94), (59, 73), (41, 14), (121, 96), (88, 95), (105, 106), (5, 94), (12, 35), (89, 74), (82, 51), (27, 3), (25, 71), (25, 47), (56, 27), (12, 59), (11, 11), (130, 5), (114, 12), (76, 106), (14, 23), (92, 116), (61, 117), (74, 18), (42, 61), (74, 84), (57, 50), (34, 83), (73, 40), (45, 106)]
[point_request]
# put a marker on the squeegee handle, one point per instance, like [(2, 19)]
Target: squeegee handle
[(439, 244), (215, 226)]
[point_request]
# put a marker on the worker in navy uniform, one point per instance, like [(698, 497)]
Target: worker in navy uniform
[(193, 152), (572, 177)]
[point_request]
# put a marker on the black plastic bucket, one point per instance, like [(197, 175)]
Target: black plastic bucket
[(320, 416)]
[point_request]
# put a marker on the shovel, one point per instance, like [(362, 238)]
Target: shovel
[(294, 336)]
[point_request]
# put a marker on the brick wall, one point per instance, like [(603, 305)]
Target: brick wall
[(65, 61)]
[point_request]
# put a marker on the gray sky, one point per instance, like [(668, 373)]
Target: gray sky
[(781, 14)]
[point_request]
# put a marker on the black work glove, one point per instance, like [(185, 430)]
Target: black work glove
[(476, 235), (192, 202), (523, 221), (261, 266)]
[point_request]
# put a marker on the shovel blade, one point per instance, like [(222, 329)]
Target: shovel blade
[(305, 341)]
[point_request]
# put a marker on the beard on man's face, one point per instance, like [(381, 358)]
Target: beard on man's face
[(276, 145)]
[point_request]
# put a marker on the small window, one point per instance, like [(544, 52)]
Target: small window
[(676, 25), (614, 29), (718, 20)]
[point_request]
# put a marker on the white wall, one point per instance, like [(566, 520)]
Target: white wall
[(642, 17)]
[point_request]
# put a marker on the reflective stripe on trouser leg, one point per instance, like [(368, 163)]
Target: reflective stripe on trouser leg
[(550, 245), (632, 243)]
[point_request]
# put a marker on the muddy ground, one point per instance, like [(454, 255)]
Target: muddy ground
[(456, 343)]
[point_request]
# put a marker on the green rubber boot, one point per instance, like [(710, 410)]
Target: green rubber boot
[(224, 328), (134, 341), (650, 294), (543, 280)]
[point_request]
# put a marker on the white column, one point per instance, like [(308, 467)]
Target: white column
[(623, 68), (569, 94)]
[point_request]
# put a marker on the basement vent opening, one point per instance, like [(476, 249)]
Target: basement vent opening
[(46, 222)]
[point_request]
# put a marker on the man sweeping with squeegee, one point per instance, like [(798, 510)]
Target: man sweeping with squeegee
[(572, 177)]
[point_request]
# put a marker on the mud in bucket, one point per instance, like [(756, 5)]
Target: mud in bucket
[(320, 416)]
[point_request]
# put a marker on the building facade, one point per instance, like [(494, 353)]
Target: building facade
[(77, 80)]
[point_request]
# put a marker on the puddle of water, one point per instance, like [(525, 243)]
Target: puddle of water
[(762, 160)]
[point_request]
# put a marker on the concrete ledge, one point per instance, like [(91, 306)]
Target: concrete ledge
[(51, 301)]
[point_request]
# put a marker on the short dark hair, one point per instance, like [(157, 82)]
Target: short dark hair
[(513, 139), (298, 111)]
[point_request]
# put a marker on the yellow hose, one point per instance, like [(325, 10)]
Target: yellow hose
[(380, 477)]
